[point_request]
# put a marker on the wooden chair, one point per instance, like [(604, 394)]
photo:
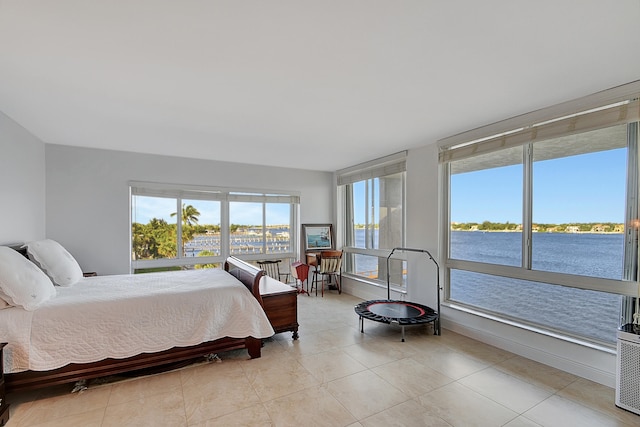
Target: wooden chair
[(329, 265), (300, 271), (272, 268)]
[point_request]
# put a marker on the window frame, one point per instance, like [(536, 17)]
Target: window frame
[(600, 110), (379, 168), (225, 196)]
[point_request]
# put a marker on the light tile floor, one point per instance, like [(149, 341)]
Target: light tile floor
[(336, 376)]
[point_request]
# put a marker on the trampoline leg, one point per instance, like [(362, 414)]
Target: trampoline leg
[(361, 321), (402, 328)]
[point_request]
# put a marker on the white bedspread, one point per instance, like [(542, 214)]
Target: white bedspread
[(125, 315)]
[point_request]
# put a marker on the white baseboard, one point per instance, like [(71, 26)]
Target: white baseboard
[(602, 372)]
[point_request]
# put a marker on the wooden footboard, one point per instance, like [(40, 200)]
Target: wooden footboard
[(246, 273), (75, 372)]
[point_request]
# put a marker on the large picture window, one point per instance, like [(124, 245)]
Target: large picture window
[(539, 222), (373, 209), (176, 227), (583, 214), (477, 207)]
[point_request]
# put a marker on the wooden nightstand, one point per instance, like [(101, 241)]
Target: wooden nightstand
[(280, 303), (4, 406)]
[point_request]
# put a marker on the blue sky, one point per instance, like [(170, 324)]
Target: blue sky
[(240, 213), (584, 188)]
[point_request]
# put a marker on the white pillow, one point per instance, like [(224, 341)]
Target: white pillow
[(3, 302), (22, 283), (54, 260)]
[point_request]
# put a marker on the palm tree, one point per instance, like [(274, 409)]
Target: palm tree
[(189, 219), (189, 215)]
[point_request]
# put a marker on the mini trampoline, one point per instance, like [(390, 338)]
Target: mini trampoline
[(402, 313)]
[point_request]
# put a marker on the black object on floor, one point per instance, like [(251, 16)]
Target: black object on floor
[(402, 313)]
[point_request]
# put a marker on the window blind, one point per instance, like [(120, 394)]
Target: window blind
[(619, 105), (384, 166), (151, 189)]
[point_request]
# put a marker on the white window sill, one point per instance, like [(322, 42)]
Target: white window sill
[(604, 347), (375, 283)]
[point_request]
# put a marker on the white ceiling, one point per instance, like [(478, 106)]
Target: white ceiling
[(311, 84)]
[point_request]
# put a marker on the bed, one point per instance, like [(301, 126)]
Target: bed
[(107, 325)]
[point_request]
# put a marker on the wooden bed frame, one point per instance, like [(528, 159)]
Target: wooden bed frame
[(248, 274)]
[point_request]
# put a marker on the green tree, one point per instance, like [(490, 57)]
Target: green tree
[(206, 253), (163, 237), (140, 241), (190, 216), (157, 239)]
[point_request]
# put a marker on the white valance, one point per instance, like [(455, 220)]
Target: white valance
[(152, 189), (384, 166), (615, 106)]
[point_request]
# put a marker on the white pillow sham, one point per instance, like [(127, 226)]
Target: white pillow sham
[(3, 302), (22, 283), (55, 261)]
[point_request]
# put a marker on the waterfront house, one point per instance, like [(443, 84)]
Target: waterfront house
[(278, 96), (599, 228)]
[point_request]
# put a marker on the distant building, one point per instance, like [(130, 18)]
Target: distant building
[(572, 229), (599, 228)]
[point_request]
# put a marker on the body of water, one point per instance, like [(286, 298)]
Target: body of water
[(581, 312), (586, 254), (242, 243)]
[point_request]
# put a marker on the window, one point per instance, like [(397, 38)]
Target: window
[(260, 228), (584, 214), (373, 206), (486, 196), (539, 220), (199, 227), (153, 230)]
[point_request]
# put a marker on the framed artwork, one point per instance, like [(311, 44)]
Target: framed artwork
[(317, 237)]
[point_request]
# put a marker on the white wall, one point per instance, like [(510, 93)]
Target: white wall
[(22, 184), (423, 219), (88, 196)]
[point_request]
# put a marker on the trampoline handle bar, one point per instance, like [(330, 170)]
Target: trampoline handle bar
[(424, 251), (414, 250)]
